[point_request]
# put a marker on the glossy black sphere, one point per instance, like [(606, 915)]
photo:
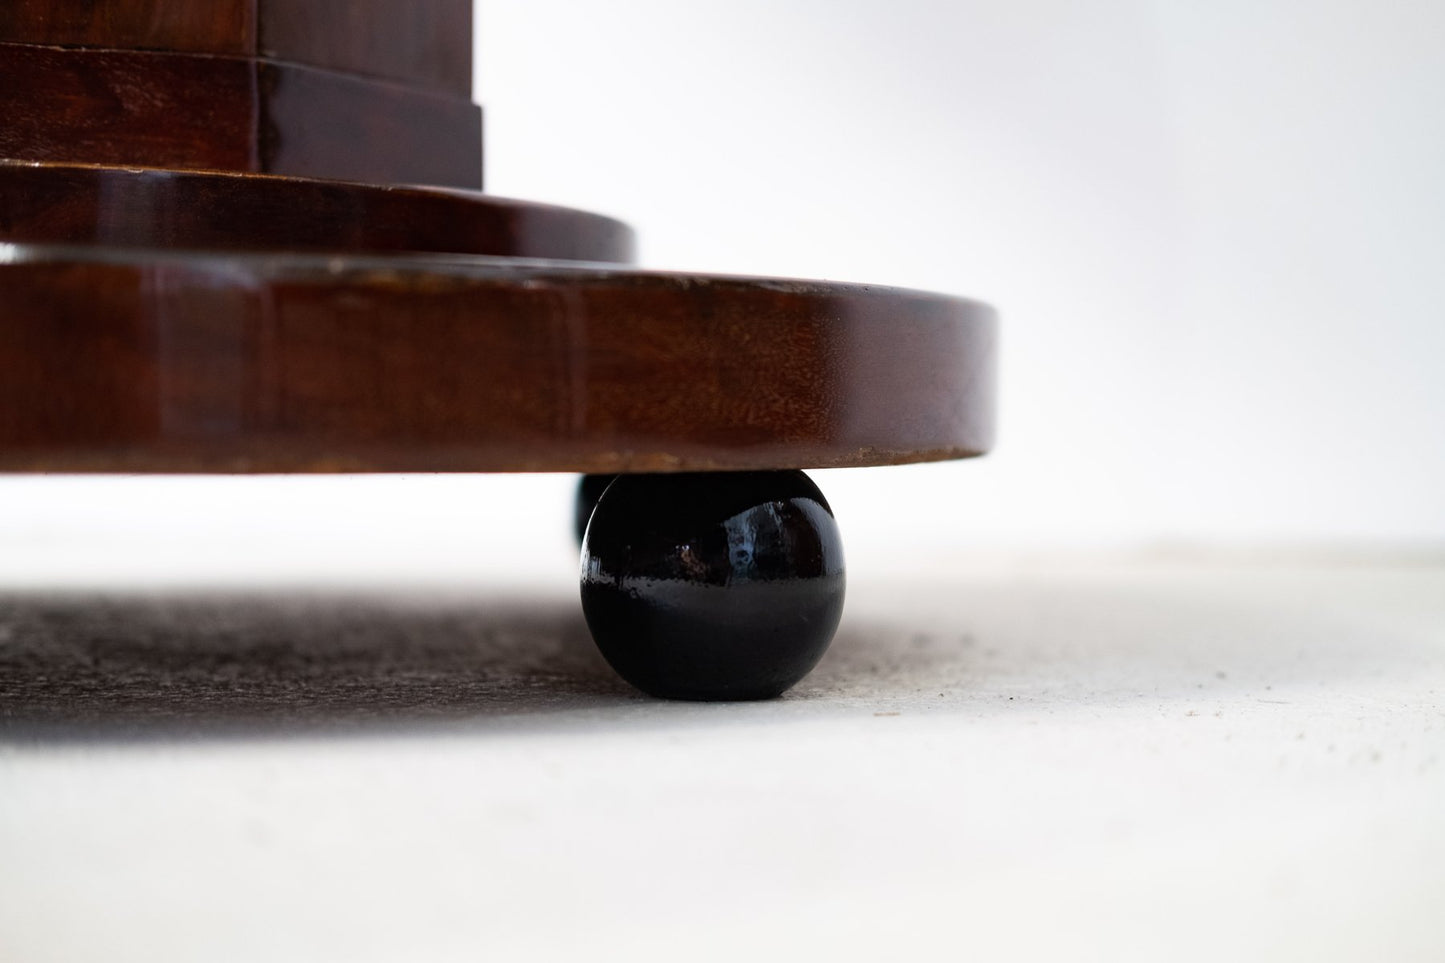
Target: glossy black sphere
[(724, 585), (589, 489)]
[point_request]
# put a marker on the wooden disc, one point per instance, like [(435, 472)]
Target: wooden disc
[(147, 361), (86, 204)]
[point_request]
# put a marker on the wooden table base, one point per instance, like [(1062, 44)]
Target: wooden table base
[(152, 361), (170, 303)]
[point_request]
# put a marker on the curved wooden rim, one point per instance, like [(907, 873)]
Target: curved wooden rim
[(47, 203), (124, 360)]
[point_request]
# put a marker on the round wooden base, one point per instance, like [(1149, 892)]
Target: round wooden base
[(134, 360)]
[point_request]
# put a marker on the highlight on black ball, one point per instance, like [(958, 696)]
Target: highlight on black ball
[(589, 489)]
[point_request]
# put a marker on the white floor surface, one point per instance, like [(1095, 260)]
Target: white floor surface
[(1089, 758)]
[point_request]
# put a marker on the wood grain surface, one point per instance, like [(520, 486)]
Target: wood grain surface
[(201, 112), (76, 204), (154, 362)]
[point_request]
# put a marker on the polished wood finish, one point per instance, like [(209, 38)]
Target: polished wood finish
[(192, 112), (147, 361), (417, 42), (69, 204)]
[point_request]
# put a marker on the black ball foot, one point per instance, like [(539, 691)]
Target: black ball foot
[(713, 586)]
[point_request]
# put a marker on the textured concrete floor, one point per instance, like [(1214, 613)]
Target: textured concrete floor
[(1088, 759)]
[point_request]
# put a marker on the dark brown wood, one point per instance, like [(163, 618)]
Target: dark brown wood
[(425, 43), (213, 26), (66, 204), (143, 361), (194, 112), (422, 42)]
